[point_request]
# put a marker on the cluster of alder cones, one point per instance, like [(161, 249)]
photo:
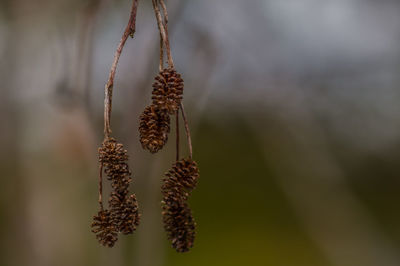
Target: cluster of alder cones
[(177, 216), (181, 179), (155, 121), (122, 215)]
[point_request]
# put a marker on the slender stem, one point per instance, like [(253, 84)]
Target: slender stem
[(189, 138), (129, 31), (161, 65), (101, 186), (163, 32), (164, 8), (165, 24), (177, 134)]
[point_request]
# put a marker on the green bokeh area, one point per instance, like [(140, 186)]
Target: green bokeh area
[(243, 217)]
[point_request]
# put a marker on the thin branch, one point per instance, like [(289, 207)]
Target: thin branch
[(164, 8), (161, 65), (164, 33), (177, 134), (101, 186), (165, 22), (129, 31), (189, 138)]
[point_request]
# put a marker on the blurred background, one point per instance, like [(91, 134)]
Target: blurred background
[(294, 110)]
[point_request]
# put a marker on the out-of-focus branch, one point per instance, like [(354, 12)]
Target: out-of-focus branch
[(189, 138), (129, 31), (161, 65)]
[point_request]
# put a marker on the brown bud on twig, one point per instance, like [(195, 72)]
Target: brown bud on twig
[(168, 90), (104, 228), (154, 128), (177, 216), (125, 212)]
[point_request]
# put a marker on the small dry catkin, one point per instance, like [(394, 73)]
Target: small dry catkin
[(154, 127), (168, 90), (104, 228), (178, 220), (114, 158), (123, 214), (178, 223)]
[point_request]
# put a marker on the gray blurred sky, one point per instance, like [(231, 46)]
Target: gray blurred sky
[(337, 58)]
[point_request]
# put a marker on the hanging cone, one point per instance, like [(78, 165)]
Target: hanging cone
[(103, 227), (153, 128), (179, 224), (125, 212), (168, 90)]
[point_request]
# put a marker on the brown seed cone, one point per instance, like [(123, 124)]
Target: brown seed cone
[(177, 216), (182, 178), (168, 90), (114, 158), (104, 228), (178, 223), (124, 210), (154, 128)]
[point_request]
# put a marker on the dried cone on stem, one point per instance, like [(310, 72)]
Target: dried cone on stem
[(124, 208), (179, 224), (125, 212), (104, 228), (183, 176), (153, 128), (177, 216), (114, 158), (168, 90)]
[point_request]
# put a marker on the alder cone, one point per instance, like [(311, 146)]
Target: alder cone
[(124, 210), (168, 90), (114, 158), (154, 127), (179, 223), (104, 228), (183, 175), (112, 152)]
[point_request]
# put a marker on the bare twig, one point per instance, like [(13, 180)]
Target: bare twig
[(129, 31), (162, 26), (164, 8), (177, 134), (85, 51), (161, 66), (189, 138), (165, 22)]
